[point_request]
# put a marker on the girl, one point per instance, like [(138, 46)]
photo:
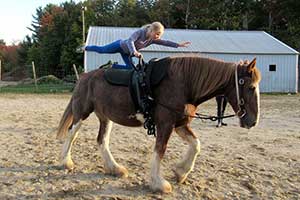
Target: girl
[(145, 36)]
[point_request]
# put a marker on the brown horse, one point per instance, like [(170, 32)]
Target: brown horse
[(189, 82)]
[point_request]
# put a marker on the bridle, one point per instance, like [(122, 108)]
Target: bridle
[(239, 83)]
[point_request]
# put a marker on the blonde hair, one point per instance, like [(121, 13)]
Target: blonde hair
[(154, 27)]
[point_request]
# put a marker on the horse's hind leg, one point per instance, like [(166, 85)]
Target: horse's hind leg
[(185, 166), (66, 159), (110, 165)]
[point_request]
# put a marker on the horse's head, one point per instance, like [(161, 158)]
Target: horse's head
[(244, 98)]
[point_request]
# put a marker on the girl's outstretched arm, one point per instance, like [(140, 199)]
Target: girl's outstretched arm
[(170, 43), (184, 44)]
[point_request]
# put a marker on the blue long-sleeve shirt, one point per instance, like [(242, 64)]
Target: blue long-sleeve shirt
[(138, 40)]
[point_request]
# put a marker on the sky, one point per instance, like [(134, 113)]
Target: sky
[(16, 16)]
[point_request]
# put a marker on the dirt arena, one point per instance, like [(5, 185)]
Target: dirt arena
[(234, 163)]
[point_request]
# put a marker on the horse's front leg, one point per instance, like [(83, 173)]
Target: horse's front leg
[(185, 166), (110, 165), (157, 182)]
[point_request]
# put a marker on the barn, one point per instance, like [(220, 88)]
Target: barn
[(277, 61)]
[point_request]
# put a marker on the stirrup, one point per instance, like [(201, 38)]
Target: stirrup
[(107, 65)]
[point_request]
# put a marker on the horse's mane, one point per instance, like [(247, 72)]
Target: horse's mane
[(202, 74)]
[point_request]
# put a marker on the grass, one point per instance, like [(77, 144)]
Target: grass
[(41, 88)]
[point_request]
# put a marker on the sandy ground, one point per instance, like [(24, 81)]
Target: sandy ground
[(235, 163)]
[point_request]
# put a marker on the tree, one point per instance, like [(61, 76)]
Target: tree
[(57, 32), (36, 24), (161, 11), (100, 13), (23, 51), (279, 18), (9, 57), (125, 12)]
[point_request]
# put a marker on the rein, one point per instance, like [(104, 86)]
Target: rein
[(197, 115), (209, 117)]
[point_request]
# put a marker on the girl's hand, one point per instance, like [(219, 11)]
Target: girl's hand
[(184, 44), (137, 54)]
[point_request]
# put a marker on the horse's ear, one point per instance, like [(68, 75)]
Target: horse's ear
[(252, 65)]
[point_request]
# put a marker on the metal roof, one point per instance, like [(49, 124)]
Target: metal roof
[(203, 41)]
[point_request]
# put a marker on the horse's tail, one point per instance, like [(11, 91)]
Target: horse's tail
[(65, 122)]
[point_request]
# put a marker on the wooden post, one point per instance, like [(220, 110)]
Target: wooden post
[(83, 8), (76, 72), (34, 75)]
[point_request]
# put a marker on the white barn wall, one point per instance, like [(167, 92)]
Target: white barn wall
[(284, 79)]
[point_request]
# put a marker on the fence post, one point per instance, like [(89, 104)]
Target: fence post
[(76, 72), (34, 75)]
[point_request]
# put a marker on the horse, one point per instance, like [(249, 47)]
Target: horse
[(190, 81)]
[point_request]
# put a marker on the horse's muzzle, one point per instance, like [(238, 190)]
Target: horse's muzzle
[(247, 122)]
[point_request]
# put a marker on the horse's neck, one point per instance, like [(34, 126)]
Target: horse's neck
[(213, 80)]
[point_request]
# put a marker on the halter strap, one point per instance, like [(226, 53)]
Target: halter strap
[(241, 112), (237, 86)]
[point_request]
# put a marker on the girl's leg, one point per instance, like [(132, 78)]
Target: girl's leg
[(219, 109), (119, 66), (113, 47), (224, 103), (127, 60)]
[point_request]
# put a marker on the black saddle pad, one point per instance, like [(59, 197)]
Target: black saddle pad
[(118, 76), (155, 73)]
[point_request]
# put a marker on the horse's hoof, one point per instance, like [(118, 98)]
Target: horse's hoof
[(166, 187), (163, 186), (121, 172), (180, 177), (69, 165), (118, 171)]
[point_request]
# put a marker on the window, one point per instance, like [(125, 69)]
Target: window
[(272, 68)]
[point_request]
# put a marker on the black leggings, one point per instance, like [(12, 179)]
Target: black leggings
[(221, 105)]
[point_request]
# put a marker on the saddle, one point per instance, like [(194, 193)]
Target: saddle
[(141, 82), (123, 77), (151, 74)]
